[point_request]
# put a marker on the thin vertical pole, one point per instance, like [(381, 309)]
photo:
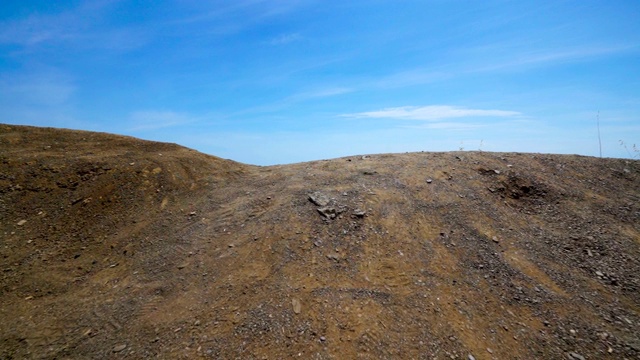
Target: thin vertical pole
[(599, 139)]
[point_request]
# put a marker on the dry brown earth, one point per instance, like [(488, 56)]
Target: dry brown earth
[(113, 247)]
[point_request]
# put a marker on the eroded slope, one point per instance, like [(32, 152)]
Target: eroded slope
[(129, 253)]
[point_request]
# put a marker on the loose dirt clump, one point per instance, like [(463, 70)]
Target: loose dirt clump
[(114, 247)]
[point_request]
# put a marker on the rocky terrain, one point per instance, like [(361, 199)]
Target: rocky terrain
[(113, 247)]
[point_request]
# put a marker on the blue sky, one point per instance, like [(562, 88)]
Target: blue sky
[(271, 82)]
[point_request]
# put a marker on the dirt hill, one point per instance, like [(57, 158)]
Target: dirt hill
[(114, 247)]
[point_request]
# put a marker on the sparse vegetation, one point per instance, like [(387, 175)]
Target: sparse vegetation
[(634, 153)]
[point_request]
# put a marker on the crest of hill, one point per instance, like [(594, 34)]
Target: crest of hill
[(118, 247)]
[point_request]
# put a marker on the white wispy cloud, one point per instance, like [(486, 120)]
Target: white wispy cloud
[(409, 78), (41, 87), (549, 57), (77, 26), (494, 58), (285, 39), (152, 120), (430, 113), (235, 16), (317, 94), (296, 98)]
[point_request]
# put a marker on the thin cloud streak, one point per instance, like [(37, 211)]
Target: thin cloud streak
[(152, 120), (542, 58), (285, 39), (323, 93), (429, 113), (515, 61), (42, 88), (295, 99), (78, 27)]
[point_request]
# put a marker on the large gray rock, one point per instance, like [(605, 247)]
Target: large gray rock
[(319, 198)]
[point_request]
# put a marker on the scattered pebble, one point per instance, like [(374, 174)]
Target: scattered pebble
[(297, 306), (22, 222), (333, 256), (576, 356), (359, 213), (119, 348)]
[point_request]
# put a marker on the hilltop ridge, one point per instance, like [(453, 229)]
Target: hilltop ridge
[(124, 248)]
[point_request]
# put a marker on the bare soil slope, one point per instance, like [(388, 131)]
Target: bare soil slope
[(113, 247)]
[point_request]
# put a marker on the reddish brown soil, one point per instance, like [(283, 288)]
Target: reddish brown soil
[(113, 247)]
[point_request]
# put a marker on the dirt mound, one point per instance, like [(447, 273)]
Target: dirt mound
[(113, 247)]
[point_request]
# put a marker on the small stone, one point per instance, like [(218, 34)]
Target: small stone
[(87, 332), (119, 348), (429, 181), (489, 350), (328, 212), (576, 356), (322, 338), (333, 256), (573, 332), (495, 239), (599, 273), (470, 357), (22, 222), (297, 306), (359, 213)]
